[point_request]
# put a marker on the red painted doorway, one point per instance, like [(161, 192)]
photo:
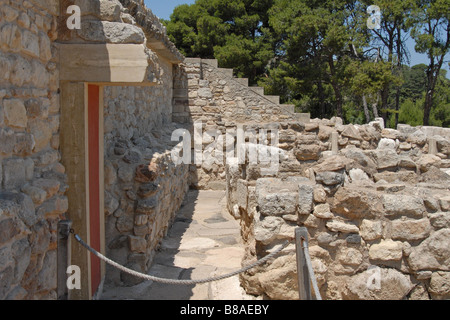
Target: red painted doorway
[(94, 157)]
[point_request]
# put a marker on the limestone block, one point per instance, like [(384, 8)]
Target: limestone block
[(21, 252), (440, 283), (330, 178), (426, 161), (306, 152), (38, 195), (146, 206), (15, 113), (276, 204), (18, 204), (45, 50), (377, 284), (386, 250), (54, 206), (41, 132), (5, 68), (320, 196), (323, 211), (14, 175), (338, 225), (403, 205), (410, 230), (46, 277), (110, 32), (6, 279), (7, 140), (386, 144), (356, 203), (440, 220), (11, 37), (352, 132), (359, 176), (349, 256), (30, 44), (50, 186), (36, 108), (39, 75), (111, 203), (9, 14), (305, 198), (266, 229), (371, 230), (125, 223), (445, 203), (110, 10), (385, 158), (432, 253), (21, 71)]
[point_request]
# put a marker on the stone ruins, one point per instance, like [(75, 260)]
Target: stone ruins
[(87, 118)]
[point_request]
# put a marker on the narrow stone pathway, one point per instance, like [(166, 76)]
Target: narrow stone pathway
[(204, 241)]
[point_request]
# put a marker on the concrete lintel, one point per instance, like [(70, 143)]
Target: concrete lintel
[(104, 63)]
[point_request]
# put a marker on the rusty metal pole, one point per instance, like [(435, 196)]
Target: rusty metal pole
[(304, 283), (63, 258)]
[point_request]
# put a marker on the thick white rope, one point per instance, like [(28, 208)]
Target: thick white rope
[(176, 281), (311, 271)]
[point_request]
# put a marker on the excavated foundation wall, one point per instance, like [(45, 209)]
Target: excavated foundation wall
[(375, 200), (376, 210)]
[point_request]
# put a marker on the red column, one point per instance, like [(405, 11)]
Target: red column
[(94, 180)]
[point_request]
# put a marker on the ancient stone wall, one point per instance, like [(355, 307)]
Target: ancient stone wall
[(207, 94), (143, 188), (140, 201), (377, 208), (32, 180)]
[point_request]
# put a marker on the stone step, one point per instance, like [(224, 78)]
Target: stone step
[(288, 107), (227, 72), (274, 99), (192, 60), (211, 62), (243, 81), (303, 117), (258, 90)]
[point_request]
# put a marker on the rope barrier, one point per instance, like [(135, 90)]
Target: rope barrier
[(176, 281)]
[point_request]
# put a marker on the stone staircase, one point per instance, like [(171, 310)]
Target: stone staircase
[(228, 74)]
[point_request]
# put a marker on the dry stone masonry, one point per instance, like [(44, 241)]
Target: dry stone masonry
[(375, 201), (376, 207)]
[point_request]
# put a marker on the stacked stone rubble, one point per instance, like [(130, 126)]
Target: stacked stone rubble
[(376, 207)]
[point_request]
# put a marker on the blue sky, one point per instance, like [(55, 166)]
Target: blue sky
[(164, 8)]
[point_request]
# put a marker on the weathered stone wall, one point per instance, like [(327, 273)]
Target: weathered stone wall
[(207, 94), (379, 204), (32, 180), (140, 200), (143, 187)]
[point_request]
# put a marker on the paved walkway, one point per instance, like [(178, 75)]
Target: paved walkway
[(204, 241)]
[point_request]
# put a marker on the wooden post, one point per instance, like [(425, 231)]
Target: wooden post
[(304, 283), (63, 258)]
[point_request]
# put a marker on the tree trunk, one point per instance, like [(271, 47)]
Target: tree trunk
[(366, 109), (336, 87), (427, 107), (375, 107)]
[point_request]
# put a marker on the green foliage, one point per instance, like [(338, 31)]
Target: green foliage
[(321, 56)]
